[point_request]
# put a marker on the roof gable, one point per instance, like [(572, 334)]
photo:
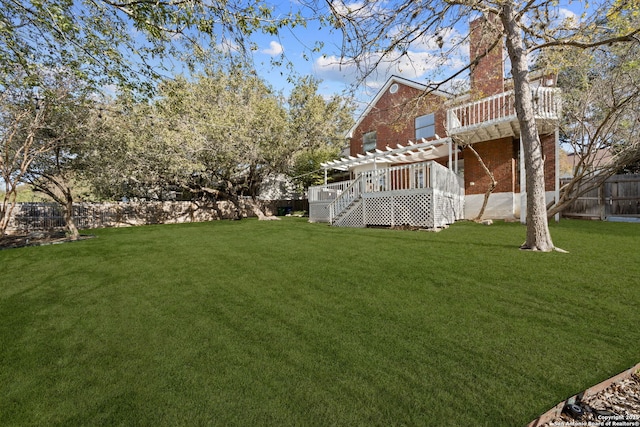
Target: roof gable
[(383, 90)]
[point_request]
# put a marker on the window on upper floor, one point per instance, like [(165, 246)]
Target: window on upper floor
[(425, 126), (369, 141)]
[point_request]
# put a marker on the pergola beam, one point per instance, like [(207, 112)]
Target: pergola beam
[(390, 154)]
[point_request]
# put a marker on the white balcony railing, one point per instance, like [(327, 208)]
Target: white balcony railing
[(501, 107)]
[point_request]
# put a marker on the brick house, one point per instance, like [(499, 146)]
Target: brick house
[(409, 160)]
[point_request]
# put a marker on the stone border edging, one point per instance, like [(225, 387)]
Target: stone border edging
[(557, 410)]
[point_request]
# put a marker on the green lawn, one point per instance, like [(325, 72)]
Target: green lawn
[(288, 323)]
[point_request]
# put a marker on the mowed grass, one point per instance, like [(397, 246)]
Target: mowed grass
[(287, 323)]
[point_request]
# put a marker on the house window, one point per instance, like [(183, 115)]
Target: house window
[(425, 126), (369, 141)]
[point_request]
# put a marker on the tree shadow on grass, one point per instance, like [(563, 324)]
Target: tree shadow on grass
[(38, 239)]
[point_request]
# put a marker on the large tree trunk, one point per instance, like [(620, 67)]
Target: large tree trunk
[(538, 236), (57, 187), (72, 230), (258, 211), (6, 208)]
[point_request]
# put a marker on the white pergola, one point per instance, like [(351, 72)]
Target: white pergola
[(411, 153)]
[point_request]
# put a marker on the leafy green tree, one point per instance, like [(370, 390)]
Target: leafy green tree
[(317, 127), (232, 127), (216, 136), (53, 172), (42, 133), (129, 44), (129, 156), (13, 153), (22, 120)]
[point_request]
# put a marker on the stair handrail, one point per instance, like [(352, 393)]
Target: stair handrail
[(344, 199)]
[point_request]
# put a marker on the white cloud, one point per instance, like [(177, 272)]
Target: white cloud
[(110, 90), (275, 49), (566, 13), (420, 63), (449, 39), (334, 69), (560, 18), (356, 9)]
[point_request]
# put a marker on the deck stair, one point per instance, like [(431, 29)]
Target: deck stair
[(346, 201)]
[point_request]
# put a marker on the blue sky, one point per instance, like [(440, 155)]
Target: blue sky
[(296, 45), (422, 63), (337, 77)]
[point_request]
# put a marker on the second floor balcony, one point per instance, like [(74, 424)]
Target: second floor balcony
[(495, 117)]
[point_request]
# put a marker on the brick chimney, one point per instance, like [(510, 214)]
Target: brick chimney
[(487, 76)]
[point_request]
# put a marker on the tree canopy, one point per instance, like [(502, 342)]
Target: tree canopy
[(217, 136), (317, 126), (130, 44), (216, 132)]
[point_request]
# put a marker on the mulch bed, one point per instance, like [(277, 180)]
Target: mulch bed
[(614, 402), (37, 239)]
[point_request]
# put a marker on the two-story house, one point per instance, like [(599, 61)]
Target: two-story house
[(410, 161)]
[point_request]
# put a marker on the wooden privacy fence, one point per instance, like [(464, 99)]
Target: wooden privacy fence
[(618, 196), (29, 217)]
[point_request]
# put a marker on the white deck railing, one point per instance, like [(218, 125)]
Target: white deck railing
[(547, 105), (401, 182), (406, 177), (413, 176), (328, 192)]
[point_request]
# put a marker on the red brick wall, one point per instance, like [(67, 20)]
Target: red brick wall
[(500, 157), (393, 118), (487, 76)]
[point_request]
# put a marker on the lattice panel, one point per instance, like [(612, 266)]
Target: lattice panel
[(352, 217), (423, 208), (377, 210), (447, 208), (413, 209), (319, 211)]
